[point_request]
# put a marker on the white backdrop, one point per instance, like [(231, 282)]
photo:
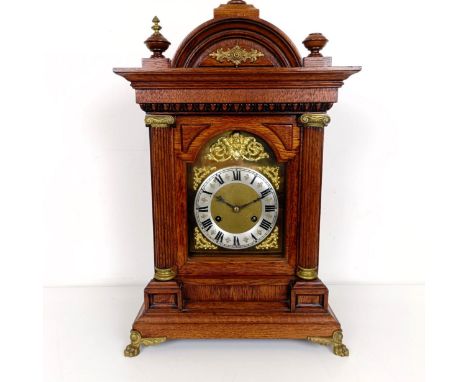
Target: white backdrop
[(94, 177), (74, 169)]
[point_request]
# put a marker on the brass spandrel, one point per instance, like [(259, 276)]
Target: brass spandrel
[(271, 242)]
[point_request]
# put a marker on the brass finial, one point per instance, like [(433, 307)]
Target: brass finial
[(237, 2), (157, 43), (156, 27)]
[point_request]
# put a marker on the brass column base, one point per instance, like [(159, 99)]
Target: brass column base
[(306, 273), (133, 349), (336, 341), (164, 274)]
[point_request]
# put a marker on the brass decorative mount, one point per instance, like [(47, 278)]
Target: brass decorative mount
[(200, 174), (236, 55), (236, 147), (201, 242), (273, 174), (336, 341), (159, 121), (317, 120), (307, 274), (136, 340), (271, 242), (164, 274)]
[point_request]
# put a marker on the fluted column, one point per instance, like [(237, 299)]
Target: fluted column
[(311, 184), (161, 133)]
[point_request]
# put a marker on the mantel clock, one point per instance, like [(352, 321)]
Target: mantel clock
[(236, 125)]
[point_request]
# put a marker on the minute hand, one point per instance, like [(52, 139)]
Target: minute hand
[(248, 204)]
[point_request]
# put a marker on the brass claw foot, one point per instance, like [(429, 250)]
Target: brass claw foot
[(341, 350), (336, 340), (133, 349)]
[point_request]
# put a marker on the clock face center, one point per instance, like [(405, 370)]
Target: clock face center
[(235, 204)]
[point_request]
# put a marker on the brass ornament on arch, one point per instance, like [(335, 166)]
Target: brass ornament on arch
[(236, 55), (237, 147)]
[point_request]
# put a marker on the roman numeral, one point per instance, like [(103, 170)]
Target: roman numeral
[(219, 237), (219, 179), (266, 193), (236, 241), (266, 225), (207, 224), (236, 174), (206, 192), (202, 209), (253, 237), (253, 180), (268, 208)]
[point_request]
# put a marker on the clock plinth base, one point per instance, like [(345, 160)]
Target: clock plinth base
[(240, 320), (163, 295)]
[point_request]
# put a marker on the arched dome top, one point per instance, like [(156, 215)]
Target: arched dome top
[(237, 38)]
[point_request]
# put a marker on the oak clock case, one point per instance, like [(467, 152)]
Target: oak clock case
[(236, 126)]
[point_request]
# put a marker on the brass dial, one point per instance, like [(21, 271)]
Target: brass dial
[(236, 208)]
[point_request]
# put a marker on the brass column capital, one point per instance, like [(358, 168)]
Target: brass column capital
[(317, 120), (164, 274), (307, 274), (159, 121)]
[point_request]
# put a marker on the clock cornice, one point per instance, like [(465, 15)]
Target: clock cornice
[(253, 85), (263, 78)]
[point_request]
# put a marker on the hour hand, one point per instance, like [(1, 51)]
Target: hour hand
[(219, 198)]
